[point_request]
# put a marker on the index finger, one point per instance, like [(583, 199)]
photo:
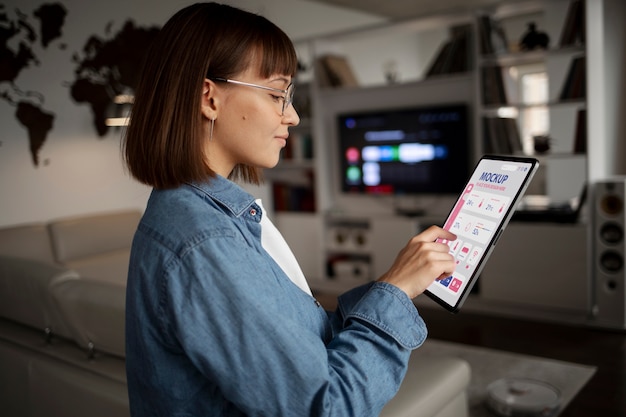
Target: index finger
[(434, 233)]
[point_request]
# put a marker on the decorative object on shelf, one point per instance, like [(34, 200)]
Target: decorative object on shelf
[(541, 143), (533, 39), (390, 69)]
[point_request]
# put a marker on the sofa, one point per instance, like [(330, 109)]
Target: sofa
[(62, 297)]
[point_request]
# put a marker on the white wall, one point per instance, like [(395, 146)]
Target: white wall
[(80, 172)]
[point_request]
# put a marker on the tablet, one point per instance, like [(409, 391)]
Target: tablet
[(478, 218)]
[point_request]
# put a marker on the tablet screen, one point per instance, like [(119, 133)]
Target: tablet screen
[(477, 219)]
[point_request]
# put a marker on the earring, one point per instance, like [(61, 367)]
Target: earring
[(211, 133)]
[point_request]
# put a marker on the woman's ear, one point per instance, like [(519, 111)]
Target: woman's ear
[(208, 103)]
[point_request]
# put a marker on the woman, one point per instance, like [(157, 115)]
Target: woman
[(220, 320)]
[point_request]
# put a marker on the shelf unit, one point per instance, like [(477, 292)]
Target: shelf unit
[(406, 48), (369, 52), (293, 181), (507, 117)]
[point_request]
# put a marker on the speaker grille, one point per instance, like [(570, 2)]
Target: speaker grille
[(611, 233), (611, 205), (608, 251)]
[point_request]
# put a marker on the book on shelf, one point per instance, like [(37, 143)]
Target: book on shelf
[(573, 32), (293, 197), (335, 71), (575, 84), (302, 100), (580, 132), (453, 56), (293, 189), (501, 136), (299, 147), (494, 92), (492, 38)]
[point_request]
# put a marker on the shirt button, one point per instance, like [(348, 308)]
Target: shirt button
[(253, 212)]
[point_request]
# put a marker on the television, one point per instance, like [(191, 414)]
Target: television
[(416, 150)]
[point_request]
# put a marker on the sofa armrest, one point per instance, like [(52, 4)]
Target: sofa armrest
[(95, 313), (434, 386), (25, 296)]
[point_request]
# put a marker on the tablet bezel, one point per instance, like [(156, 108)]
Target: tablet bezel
[(534, 165)]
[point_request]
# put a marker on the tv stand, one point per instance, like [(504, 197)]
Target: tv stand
[(360, 247)]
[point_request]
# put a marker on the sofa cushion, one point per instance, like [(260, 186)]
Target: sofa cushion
[(25, 295), (81, 237), (94, 312), (27, 241)]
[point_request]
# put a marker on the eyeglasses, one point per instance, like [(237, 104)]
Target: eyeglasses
[(288, 93)]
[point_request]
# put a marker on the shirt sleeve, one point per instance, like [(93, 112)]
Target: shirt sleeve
[(231, 317), (403, 323)]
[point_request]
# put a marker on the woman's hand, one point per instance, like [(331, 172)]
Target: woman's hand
[(421, 261)]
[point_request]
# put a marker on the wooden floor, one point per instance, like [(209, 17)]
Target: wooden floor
[(603, 396)]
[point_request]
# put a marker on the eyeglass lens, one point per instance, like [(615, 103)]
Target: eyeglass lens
[(288, 97)]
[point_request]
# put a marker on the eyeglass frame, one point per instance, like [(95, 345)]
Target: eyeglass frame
[(287, 99)]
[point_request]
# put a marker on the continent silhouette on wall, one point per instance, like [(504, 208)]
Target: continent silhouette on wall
[(108, 67), (105, 67), (28, 103)]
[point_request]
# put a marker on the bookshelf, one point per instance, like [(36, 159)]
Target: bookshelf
[(293, 181), (356, 61), (410, 49), (348, 71), (380, 66)]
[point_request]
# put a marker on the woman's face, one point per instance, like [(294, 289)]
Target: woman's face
[(249, 125)]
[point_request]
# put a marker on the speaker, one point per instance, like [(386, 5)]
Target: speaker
[(608, 252)]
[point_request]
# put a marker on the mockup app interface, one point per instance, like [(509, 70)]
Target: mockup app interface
[(475, 220)]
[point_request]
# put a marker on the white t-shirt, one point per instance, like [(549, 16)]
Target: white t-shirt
[(274, 243)]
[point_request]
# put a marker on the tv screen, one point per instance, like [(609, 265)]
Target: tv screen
[(422, 150)]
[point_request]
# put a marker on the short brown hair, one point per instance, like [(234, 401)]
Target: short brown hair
[(163, 144)]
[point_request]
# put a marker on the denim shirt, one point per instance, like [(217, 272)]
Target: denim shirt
[(214, 327)]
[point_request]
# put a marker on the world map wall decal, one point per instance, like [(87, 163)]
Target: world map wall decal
[(103, 68)]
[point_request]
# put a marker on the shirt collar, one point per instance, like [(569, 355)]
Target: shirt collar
[(229, 194)]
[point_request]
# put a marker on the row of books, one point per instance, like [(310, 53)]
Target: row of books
[(575, 84), (293, 197), (493, 89), (454, 55), (299, 147), (501, 136), (491, 36), (334, 71), (573, 32)]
